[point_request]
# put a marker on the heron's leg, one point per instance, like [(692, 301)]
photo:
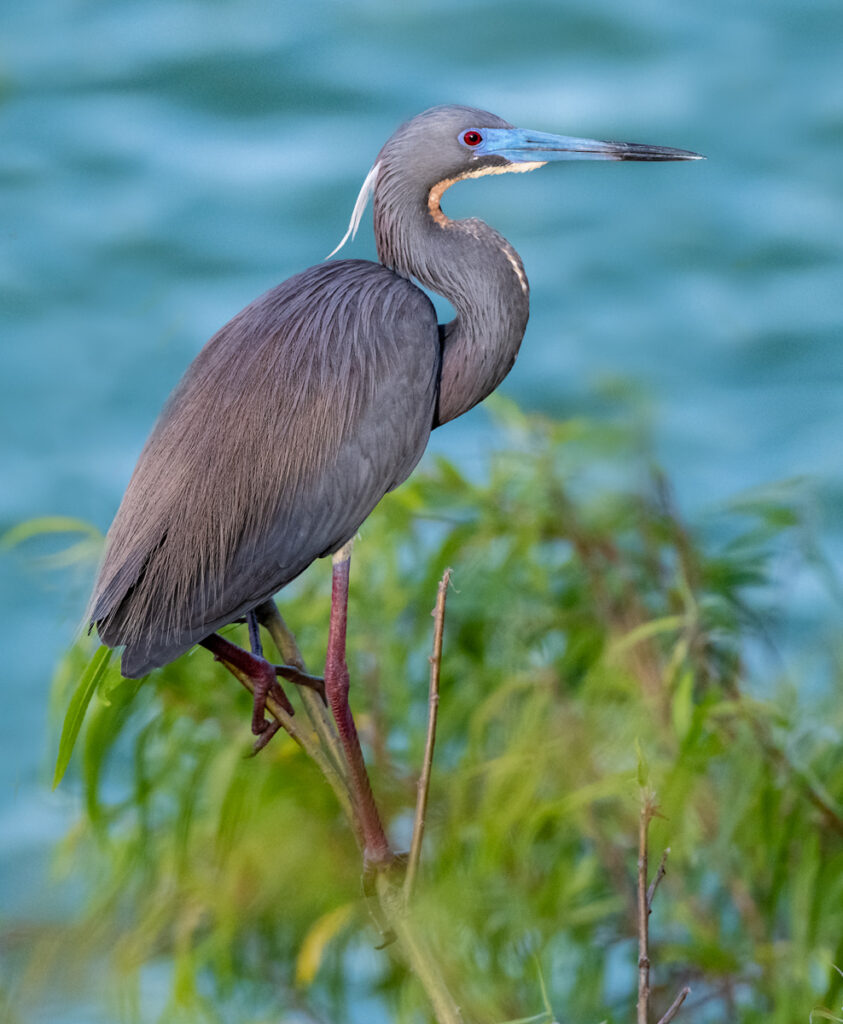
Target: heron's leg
[(263, 675), (293, 668), (270, 727), (377, 851), (254, 634), (264, 680)]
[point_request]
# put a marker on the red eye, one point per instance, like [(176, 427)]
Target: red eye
[(472, 138)]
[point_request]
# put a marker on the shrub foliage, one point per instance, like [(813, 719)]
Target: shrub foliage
[(594, 643)]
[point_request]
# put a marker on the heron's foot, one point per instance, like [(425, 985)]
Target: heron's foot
[(266, 686), (272, 727), (259, 675), (296, 675)]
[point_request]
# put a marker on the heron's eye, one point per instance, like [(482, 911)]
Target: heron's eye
[(472, 138)]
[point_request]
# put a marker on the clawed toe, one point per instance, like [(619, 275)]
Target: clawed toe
[(270, 728), (267, 686), (262, 681)]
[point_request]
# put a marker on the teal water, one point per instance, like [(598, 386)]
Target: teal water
[(162, 164)]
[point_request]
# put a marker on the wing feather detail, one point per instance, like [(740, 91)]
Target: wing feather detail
[(285, 432)]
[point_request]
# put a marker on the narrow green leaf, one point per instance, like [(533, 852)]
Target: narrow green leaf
[(648, 631), (105, 721), (682, 706), (643, 766), (321, 932), (46, 525), (76, 709), (540, 1018), (821, 1013), (545, 998)]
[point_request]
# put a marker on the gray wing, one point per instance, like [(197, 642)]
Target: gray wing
[(287, 429)]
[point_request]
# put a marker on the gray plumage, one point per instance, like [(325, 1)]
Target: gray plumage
[(271, 452), (314, 401), (466, 261)]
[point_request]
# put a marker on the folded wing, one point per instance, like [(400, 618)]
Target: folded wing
[(287, 429)]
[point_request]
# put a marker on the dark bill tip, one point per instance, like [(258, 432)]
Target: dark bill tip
[(634, 151)]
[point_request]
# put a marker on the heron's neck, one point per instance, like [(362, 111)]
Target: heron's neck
[(477, 271)]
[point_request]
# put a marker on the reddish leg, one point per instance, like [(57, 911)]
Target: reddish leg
[(263, 676), (377, 851)]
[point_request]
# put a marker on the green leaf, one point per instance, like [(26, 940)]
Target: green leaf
[(321, 932), (682, 706), (540, 1018), (643, 768), (47, 525), (648, 631), (105, 721), (545, 998), (76, 709)]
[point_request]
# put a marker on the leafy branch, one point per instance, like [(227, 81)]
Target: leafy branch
[(588, 616)]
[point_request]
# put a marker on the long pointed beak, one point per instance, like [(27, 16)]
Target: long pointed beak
[(520, 145)]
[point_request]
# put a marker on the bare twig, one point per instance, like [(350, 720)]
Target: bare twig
[(651, 892), (430, 742), (646, 895), (644, 818), (673, 1009), (272, 620)]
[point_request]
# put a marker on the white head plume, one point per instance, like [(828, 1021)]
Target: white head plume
[(366, 191)]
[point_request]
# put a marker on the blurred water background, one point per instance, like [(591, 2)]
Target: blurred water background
[(161, 164)]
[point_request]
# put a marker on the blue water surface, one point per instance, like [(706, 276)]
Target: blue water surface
[(163, 163)]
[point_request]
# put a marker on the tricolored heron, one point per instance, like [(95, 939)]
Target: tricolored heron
[(319, 397)]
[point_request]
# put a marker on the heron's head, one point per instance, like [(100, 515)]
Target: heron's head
[(446, 144), (454, 142)]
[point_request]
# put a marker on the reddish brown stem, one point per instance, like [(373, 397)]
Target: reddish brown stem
[(430, 742), (643, 915)]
